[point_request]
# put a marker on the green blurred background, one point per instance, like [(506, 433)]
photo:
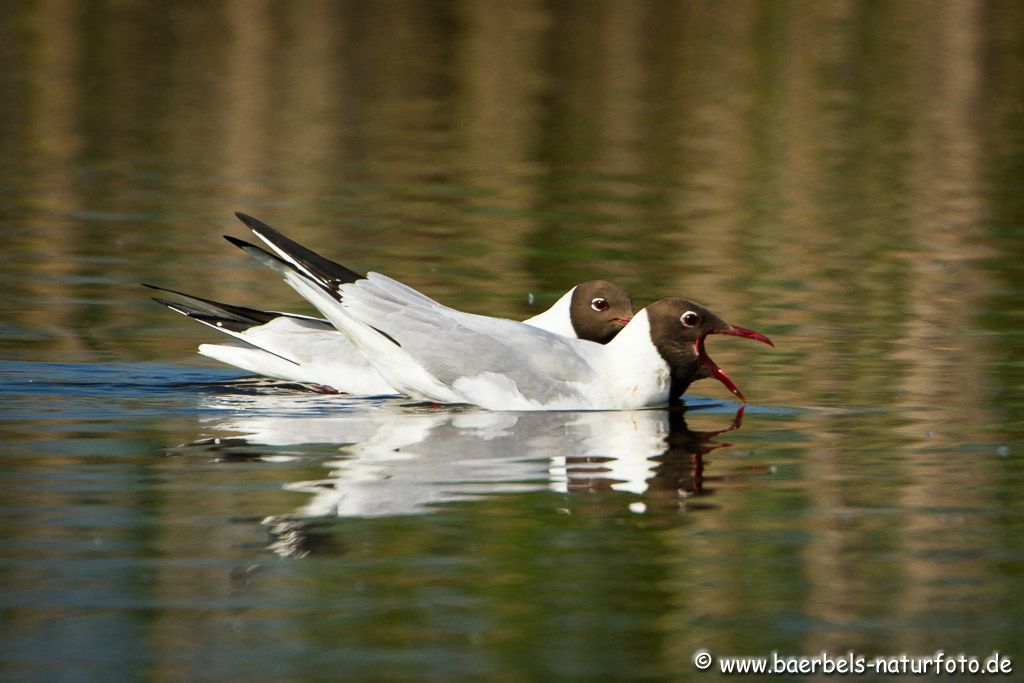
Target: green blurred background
[(847, 177)]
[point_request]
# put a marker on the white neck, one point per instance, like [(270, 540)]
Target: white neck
[(557, 318), (640, 377)]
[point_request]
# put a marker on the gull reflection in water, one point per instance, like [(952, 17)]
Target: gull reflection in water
[(401, 459)]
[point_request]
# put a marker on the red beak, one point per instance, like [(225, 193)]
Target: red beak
[(716, 371), (622, 321), (749, 334)]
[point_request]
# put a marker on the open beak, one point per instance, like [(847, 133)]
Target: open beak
[(713, 368), (749, 334)]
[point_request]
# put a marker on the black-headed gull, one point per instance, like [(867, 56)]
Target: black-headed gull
[(311, 350), (430, 351)]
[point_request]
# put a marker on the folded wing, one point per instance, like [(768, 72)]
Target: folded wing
[(487, 360)]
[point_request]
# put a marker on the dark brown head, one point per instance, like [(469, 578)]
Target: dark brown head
[(598, 310), (678, 330)]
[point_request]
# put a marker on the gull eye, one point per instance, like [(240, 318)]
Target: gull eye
[(689, 319), (599, 304)]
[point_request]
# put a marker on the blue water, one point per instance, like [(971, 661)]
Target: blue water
[(169, 518)]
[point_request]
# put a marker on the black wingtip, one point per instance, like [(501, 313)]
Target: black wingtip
[(197, 307), (330, 275), (257, 252), (173, 305), (207, 317), (243, 245), (263, 230), (176, 293), (253, 223)]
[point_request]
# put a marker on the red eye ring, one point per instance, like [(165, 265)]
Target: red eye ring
[(599, 304)]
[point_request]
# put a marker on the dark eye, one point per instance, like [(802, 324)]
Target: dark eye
[(689, 319), (599, 304)]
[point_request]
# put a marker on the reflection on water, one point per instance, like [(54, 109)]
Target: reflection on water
[(367, 528), (845, 176), (403, 462)]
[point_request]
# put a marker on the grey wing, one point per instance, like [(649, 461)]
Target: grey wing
[(452, 345)]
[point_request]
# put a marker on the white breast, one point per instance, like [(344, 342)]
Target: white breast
[(635, 375)]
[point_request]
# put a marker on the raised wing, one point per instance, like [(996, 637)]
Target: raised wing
[(327, 273)]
